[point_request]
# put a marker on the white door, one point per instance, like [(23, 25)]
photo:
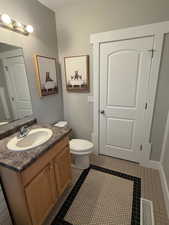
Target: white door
[(18, 87), (124, 76)]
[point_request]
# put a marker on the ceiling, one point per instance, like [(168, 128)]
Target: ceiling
[(53, 4)]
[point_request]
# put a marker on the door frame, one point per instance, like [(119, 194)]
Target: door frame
[(157, 30), (4, 56)]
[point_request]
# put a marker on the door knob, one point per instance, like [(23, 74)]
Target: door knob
[(102, 112)]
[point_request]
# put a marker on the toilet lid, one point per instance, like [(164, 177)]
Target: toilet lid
[(80, 145)]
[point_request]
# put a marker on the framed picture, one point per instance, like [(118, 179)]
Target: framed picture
[(77, 73), (46, 75)]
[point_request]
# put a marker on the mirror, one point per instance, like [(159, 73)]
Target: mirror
[(15, 100)]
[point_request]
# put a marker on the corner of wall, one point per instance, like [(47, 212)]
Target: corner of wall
[(164, 187)]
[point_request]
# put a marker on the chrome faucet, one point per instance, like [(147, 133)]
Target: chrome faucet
[(23, 132)]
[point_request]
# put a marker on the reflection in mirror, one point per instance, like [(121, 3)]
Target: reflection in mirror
[(15, 100)]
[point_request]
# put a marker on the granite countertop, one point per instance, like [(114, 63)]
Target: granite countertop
[(19, 160)]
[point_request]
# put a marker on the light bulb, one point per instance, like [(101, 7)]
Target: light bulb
[(6, 19), (18, 24), (29, 29)]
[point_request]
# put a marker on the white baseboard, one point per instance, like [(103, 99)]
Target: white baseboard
[(165, 188), (151, 164)]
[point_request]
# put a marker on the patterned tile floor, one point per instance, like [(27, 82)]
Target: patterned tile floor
[(151, 186), (94, 204)]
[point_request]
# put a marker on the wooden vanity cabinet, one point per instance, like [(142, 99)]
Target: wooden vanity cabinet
[(38, 187)]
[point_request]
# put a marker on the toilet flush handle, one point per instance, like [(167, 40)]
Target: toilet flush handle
[(102, 112)]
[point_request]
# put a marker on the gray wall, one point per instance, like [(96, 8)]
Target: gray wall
[(75, 23), (42, 41), (162, 107), (162, 103)]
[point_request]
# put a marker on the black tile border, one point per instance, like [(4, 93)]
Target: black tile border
[(135, 220)]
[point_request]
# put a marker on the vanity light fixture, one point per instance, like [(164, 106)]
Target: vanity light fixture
[(29, 29), (6, 19), (11, 24)]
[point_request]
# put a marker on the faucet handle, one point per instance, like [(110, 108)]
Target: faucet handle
[(23, 131)]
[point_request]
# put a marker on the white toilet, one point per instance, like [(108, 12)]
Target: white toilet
[(81, 149)]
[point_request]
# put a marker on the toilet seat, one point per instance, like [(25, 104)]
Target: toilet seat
[(80, 147)]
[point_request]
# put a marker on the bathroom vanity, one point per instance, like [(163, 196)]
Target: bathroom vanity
[(35, 179), (35, 170)]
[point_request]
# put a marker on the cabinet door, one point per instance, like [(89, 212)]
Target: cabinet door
[(62, 166), (40, 195)]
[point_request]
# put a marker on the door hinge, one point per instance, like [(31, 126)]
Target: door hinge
[(146, 106), (141, 147), (152, 52)]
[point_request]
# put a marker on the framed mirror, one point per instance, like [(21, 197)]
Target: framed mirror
[(15, 100)]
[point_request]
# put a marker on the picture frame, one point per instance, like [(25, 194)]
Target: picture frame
[(46, 75), (77, 73)]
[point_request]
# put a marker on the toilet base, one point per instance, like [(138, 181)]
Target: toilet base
[(81, 161)]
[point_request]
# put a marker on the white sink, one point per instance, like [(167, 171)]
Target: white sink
[(34, 138)]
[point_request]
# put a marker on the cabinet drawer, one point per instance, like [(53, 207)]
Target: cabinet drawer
[(29, 173)]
